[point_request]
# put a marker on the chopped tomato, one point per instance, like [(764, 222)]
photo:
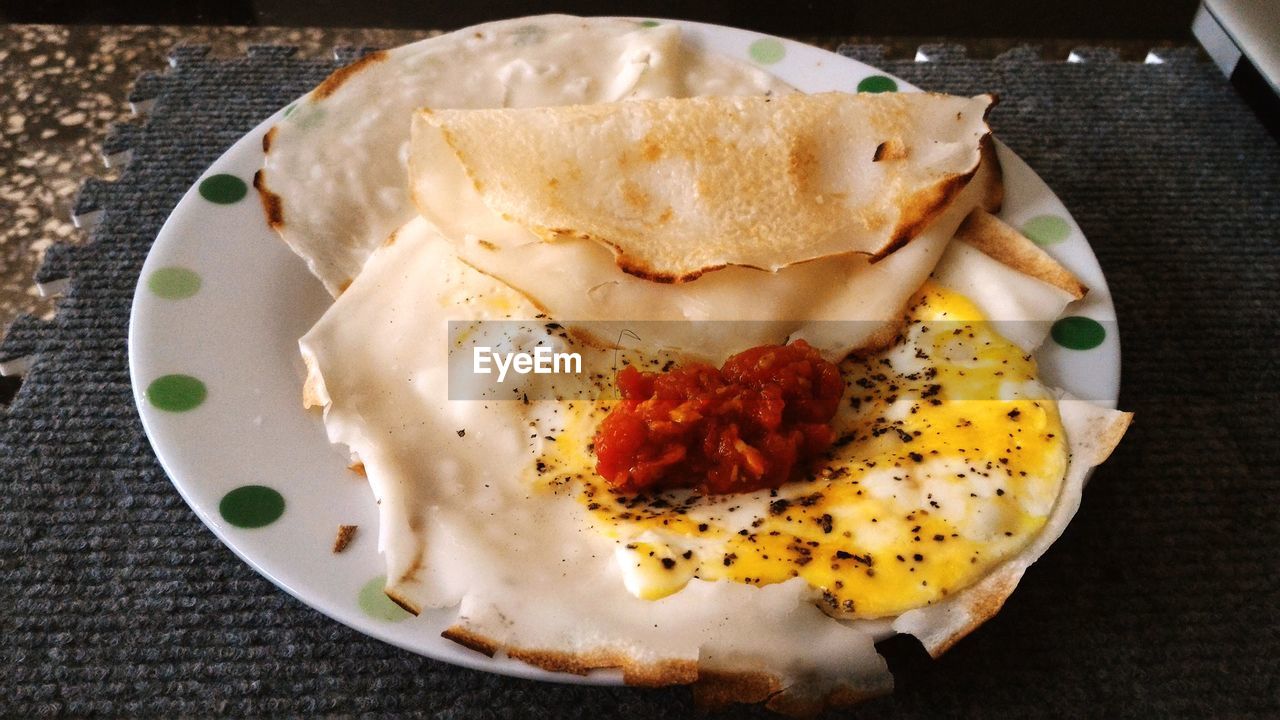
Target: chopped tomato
[(754, 423)]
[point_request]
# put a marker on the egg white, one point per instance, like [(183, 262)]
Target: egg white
[(467, 520)]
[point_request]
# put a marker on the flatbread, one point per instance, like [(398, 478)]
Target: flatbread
[(842, 304), (377, 365), (848, 302), (1020, 288), (662, 182), (1000, 241), (333, 181), (377, 358)]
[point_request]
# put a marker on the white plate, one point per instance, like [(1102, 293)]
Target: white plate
[(231, 315)]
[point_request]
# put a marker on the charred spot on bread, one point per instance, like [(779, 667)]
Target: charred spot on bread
[(470, 640), (342, 74), (272, 205), (922, 208), (346, 533)]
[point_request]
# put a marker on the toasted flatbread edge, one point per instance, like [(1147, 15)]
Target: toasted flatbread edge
[(916, 212), (340, 76), (272, 202), (712, 689), (924, 207), (993, 194), (1001, 242)]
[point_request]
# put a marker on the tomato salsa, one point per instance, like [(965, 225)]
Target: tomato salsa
[(753, 423)]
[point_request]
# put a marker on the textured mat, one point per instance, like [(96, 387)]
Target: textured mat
[(1161, 599)]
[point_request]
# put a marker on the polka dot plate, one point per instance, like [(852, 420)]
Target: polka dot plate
[(221, 303)]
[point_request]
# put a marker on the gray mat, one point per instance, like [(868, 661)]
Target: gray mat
[(1161, 599)]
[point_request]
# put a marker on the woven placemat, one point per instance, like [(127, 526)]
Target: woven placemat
[(1162, 597)]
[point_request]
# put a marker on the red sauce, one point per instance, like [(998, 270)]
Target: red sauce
[(754, 423)]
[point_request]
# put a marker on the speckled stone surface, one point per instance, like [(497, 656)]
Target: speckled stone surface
[(65, 86)]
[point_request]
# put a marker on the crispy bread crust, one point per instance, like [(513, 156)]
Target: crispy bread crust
[(998, 240), (717, 690), (712, 689), (470, 640), (993, 193), (268, 139), (408, 605), (1109, 438), (983, 606), (272, 205), (343, 74), (346, 533), (923, 208)]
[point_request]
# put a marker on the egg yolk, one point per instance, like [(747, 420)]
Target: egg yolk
[(947, 458)]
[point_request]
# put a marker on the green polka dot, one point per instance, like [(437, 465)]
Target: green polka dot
[(289, 110), (174, 283), (223, 189), (375, 603), (1046, 229), (1078, 333), (767, 51), (251, 506), (877, 84), (650, 23), (176, 393)]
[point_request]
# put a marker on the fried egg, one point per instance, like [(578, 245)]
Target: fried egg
[(493, 508), (950, 455), (954, 469)]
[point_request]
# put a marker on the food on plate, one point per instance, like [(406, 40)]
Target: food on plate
[(509, 523), (825, 425), (581, 277), (346, 533), (333, 181), (662, 183), (757, 422)]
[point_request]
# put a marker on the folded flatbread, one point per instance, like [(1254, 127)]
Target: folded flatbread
[(768, 284), (679, 188), (333, 182)]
